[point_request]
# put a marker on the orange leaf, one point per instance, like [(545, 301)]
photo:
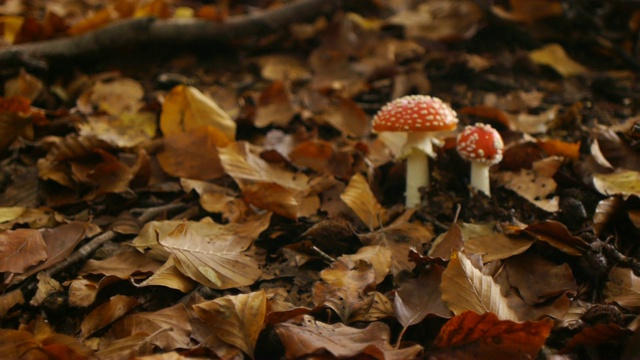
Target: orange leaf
[(99, 19), (560, 148), (487, 113), (314, 155), (478, 337)]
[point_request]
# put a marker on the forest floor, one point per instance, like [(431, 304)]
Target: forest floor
[(184, 179)]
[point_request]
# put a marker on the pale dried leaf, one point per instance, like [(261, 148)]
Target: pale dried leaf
[(535, 185), (306, 337), (465, 288), (168, 275), (236, 320), (378, 256), (554, 55), (46, 286), (174, 318), (359, 197), (624, 182), (496, 247), (186, 108), (623, 287)]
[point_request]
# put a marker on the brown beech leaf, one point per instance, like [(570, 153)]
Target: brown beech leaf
[(445, 244), (170, 276), (112, 96), (529, 10), (274, 106), (485, 337), (344, 289), (400, 236), (193, 153), (186, 108), (557, 235), (218, 199), (598, 334), (39, 341), (21, 249), (314, 154), (497, 246), (60, 243), (83, 291), (381, 308), (106, 313), (128, 347), (623, 287), (359, 197), (124, 131), (46, 286), (174, 318), (536, 184), (235, 320), (607, 210), (265, 185), (418, 297), (24, 85), (465, 288), (348, 117), (538, 279), (378, 256), (16, 119), (304, 337), (122, 265), (282, 67), (220, 262)]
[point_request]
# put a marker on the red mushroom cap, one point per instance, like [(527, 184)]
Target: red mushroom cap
[(415, 113), (480, 143)]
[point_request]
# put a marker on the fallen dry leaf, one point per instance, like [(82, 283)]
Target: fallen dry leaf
[(314, 154), (345, 289), (304, 336), (106, 313), (217, 262), (378, 256), (348, 117), (624, 182), (16, 119), (360, 199), (20, 249), (535, 185), (529, 10), (485, 337), (175, 319), (465, 288), (623, 287), (274, 106), (186, 108), (448, 242), (557, 235), (235, 320), (596, 335), (554, 55), (496, 246), (418, 297), (193, 153), (170, 276)]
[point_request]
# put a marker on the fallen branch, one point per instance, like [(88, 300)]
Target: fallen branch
[(136, 32)]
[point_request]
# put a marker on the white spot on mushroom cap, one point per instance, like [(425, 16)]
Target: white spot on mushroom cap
[(422, 112)]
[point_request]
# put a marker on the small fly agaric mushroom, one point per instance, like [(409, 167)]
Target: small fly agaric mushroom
[(481, 145), (422, 117)]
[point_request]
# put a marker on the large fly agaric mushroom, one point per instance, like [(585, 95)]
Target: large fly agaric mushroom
[(422, 117), (481, 145)]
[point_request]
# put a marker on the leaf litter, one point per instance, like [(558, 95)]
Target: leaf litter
[(288, 238)]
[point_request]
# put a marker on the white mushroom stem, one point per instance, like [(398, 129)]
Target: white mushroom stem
[(480, 177), (417, 176)]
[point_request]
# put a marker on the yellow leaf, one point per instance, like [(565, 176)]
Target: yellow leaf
[(185, 108), (360, 199), (554, 55), (625, 182)]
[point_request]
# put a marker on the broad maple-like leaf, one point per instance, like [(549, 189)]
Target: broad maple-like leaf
[(21, 249), (107, 313), (416, 298), (465, 288), (193, 153), (220, 263), (345, 288), (186, 108), (304, 337), (174, 318), (235, 320), (470, 336), (360, 199)]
